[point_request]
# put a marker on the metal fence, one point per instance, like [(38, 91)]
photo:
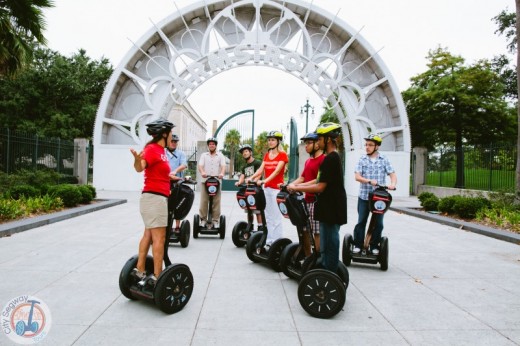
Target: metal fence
[(19, 150), (491, 168)]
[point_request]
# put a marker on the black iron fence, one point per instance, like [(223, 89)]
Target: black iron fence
[(19, 150), (491, 168)]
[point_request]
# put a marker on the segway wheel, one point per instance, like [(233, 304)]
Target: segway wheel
[(126, 279), (275, 253), (321, 293), (222, 227), (252, 244), (185, 233), (196, 226), (343, 274), (291, 264), (237, 235), (383, 253), (174, 288), (346, 253)]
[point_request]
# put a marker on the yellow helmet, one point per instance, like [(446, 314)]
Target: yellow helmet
[(275, 134), (374, 138), (328, 129)]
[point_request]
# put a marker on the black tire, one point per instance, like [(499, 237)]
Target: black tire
[(237, 235), (346, 253), (126, 279), (222, 227), (275, 253), (343, 274), (383, 253), (174, 288), (185, 233), (196, 226), (252, 244), (321, 293), (290, 264)]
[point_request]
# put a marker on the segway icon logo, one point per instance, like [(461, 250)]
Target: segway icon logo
[(283, 208), (380, 205), (26, 320), (242, 203), (212, 189), (251, 201)]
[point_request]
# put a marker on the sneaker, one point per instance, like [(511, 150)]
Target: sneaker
[(216, 224), (375, 252), (202, 223), (138, 274), (152, 281), (356, 250)]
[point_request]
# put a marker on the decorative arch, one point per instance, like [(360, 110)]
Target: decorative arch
[(193, 45)]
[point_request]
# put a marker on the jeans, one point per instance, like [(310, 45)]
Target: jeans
[(359, 230), (329, 246)]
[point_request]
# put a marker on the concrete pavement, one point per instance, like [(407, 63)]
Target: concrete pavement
[(444, 286)]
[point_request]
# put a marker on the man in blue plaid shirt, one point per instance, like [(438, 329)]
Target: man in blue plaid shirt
[(371, 170)]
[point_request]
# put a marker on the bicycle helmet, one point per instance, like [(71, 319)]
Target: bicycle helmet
[(275, 134), (244, 147), (374, 138), (175, 138), (158, 127), (310, 136), (332, 130), (212, 139)]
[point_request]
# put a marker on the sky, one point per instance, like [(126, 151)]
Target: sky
[(404, 31)]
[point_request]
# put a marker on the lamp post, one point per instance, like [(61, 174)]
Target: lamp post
[(307, 106)]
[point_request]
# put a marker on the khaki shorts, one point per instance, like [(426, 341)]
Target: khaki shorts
[(154, 210)]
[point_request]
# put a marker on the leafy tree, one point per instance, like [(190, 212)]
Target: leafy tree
[(509, 24), (56, 96), (455, 103), (231, 143), (261, 145), (21, 25)]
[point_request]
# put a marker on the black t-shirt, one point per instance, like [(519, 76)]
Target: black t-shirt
[(251, 168), (331, 204)]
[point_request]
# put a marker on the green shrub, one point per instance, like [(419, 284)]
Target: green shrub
[(86, 194), (68, 179), (424, 196), (10, 209), (431, 203), (446, 204), (16, 192), (93, 189), (69, 194), (467, 207)]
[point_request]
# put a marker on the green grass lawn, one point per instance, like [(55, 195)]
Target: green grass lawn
[(475, 179)]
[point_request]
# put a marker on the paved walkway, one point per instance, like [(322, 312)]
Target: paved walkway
[(444, 286)]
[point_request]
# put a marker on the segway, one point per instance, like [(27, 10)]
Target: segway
[(179, 205), (379, 201), (242, 230), (212, 186), (255, 248), (321, 293), (174, 285)]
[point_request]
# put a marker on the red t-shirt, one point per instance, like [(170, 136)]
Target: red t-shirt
[(156, 173), (310, 172), (270, 167)]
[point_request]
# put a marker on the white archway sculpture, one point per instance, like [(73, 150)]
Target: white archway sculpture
[(191, 46)]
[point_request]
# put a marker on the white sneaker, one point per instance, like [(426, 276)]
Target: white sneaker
[(202, 223), (356, 250), (375, 252), (216, 224)]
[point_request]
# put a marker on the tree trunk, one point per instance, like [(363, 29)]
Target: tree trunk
[(517, 185)]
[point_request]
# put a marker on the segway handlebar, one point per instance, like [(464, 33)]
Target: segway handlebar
[(283, 188), (385, 187)]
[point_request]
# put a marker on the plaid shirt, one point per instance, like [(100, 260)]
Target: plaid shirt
[(373, 170)]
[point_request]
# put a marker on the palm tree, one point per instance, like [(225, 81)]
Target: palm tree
[(231, 143), (21, 28)]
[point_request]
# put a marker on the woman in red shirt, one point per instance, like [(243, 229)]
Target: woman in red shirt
[(273, 168), (153, 204)]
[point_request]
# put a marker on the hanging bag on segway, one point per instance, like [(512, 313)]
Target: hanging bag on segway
[(212, 185), (293, 207), (379, 200), (255, 197), (182, 199)]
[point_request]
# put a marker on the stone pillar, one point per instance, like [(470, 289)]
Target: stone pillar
[(420, 160), (81, 155)]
